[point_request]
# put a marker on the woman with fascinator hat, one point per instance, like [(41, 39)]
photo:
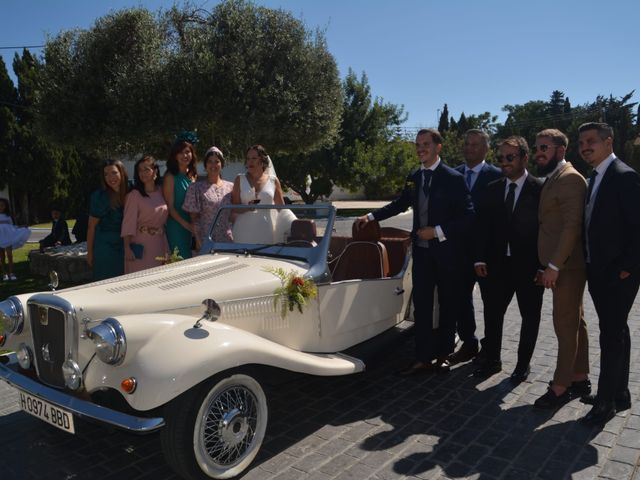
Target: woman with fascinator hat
[(181, 172), (205, 197), (257, 185)]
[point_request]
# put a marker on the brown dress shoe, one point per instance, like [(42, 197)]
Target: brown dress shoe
[(466, 352)]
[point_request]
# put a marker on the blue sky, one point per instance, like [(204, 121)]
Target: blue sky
[(475, 56)]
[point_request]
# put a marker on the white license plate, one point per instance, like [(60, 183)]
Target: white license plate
[(45, 411)]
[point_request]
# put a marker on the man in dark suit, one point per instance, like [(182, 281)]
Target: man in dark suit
[(443, 216), (612, 244), (478, 174), (507, 257), (59, 231)]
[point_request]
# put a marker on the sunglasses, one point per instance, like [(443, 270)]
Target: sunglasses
[(509, 158), (543, 148)]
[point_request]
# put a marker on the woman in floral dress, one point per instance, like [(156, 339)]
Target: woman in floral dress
[(205, 197)]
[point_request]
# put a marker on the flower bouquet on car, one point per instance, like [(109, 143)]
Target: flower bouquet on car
[(294, 292)]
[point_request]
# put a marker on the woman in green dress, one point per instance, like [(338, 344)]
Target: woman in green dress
[(181, 172), (105, 251)]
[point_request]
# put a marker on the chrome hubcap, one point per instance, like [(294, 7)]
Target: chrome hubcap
[(230, 425)]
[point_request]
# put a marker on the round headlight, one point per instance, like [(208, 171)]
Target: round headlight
[(72, 374), (24, 355), (110, 342), (11, 315)]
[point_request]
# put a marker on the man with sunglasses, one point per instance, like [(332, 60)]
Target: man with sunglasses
[(478, 174), (560, 252), (507, 257), (612, 241)]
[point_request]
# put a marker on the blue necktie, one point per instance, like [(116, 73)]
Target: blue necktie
[(469, 175), (426, 180)]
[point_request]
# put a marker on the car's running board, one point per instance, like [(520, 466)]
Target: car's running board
[(382, 344)]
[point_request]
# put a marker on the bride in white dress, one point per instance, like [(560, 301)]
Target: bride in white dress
[(257, 185)]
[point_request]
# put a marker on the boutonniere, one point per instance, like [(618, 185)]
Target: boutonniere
[(410, 184)]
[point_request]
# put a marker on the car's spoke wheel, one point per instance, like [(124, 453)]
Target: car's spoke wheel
[(228, 423)]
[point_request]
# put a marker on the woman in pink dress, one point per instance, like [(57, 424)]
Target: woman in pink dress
[(205, 197), (145, 215)]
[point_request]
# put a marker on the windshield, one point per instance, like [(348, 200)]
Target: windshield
[(295, 231)]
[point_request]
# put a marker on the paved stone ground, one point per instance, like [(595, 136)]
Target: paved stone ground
[(376, 425)]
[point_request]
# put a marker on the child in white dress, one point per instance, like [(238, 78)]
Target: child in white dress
[(10, 237)]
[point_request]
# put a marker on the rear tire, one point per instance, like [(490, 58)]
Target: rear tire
[(215, 430)]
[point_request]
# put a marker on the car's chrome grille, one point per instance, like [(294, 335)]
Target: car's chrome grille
[(48, 326)]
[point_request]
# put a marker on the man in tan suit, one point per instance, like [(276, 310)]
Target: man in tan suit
[(560, 250)]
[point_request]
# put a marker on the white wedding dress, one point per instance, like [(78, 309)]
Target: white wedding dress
[(255, 226)]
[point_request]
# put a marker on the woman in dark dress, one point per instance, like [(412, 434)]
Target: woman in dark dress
[(105, 250)]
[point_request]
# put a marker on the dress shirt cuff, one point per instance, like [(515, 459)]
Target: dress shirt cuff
[(440, 233), (553, 267), (478, 264), (370, 216)]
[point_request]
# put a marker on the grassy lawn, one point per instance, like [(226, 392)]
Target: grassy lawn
[(26, 281), (70, 223)]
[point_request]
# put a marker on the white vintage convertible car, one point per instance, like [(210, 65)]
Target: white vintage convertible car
[(184, 347)]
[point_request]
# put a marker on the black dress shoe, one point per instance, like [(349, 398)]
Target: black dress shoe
[(550, 400), (417, 368), (488, 368), (601, 413), (622, 403), (466, 352), (519, 375), (581, 388), (442, 365)]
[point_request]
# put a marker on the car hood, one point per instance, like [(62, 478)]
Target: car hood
[(180, 287)]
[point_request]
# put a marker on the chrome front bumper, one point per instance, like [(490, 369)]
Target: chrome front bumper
[(76, 406)]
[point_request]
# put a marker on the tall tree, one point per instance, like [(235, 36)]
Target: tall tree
[(32, 157), (8, 123), (366, 124), (462, 124), (241, 74), (443, 123)]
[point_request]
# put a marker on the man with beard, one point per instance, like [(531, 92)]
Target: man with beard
[(612, 241), (477, 173), (443, 217), (507, 257), (560, 252)]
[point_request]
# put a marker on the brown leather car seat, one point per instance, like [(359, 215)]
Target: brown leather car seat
[(364, 257), (397, 241), (303, 233)]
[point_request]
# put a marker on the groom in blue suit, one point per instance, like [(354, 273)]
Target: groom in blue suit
[(443, 217), (478, 174), (612, 250)]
